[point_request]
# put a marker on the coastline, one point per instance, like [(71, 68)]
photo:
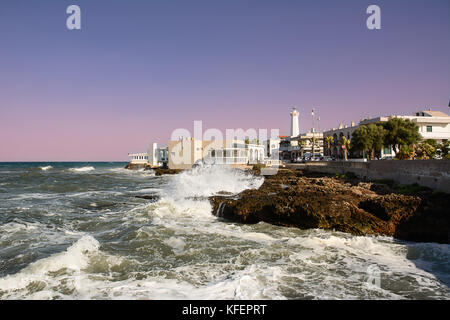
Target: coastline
[(158, 170), (296, 198)]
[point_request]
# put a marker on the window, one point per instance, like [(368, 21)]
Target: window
[(429, 128), (387, 150)]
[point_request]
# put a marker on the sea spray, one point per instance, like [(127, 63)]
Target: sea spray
[(186, 194), (208, 180)]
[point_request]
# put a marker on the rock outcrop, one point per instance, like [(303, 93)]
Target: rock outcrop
[(291, 198), (158, 171)]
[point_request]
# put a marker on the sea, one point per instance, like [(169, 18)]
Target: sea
[(83, 231)]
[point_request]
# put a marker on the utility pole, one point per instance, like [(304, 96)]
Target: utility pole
[(318, 128), (312, 115)]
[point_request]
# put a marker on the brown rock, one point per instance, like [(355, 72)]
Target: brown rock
[(292, 199)]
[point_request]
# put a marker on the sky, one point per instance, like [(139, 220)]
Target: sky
[(138, 70)]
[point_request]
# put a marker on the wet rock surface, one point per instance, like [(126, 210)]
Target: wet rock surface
[(158, 171), (306, 200)]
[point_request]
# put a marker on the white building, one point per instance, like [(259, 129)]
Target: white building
[(186, 152), (310, 144), (294, 123), (432, 125), (155, 157), (138, 158), (272, 147), (293, 148)]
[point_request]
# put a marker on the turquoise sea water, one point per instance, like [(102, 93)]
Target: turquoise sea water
[(80, 231)]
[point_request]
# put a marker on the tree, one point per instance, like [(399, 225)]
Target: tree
[(425, 150), (255, 141), (405, 152), (444, 149), (345, 146), (401, 133), (361, 140), (433, 143), (368, 138), (329, 140), (302, 144)]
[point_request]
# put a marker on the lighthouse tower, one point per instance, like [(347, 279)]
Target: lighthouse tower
[(294, 123)]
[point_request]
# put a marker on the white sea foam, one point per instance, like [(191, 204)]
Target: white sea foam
[(74, 258), (177, 244), (322, 266), (82, 169), (182, 251), (46, 168), (185, 196), (129, 172), (206, 181)]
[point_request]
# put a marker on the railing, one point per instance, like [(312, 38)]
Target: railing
[(227, 160)]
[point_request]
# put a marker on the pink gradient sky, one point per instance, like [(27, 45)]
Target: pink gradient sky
[(113, 88)]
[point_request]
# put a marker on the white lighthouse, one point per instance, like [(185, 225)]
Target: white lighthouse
[(294, 123)]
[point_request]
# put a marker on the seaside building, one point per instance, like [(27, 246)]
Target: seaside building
[(138, 158), (272, 146), (187, 152), (432, 125), (299, 145), (293, 148), (306, 142), (154, 157)]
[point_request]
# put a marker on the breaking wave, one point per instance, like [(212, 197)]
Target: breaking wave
[(208, 180), (82, 169), (103, 242)]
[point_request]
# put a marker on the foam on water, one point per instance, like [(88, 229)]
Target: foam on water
[(205, 181), (128, 172), (46, 168), (175, 248), (185, 196), (82, 169), (73, 259)]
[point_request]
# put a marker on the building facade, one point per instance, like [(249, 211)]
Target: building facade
[(187, 152), (154, 157), (432, 125)]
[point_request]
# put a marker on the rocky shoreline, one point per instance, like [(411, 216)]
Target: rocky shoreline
[(344, 203), (158, 171)]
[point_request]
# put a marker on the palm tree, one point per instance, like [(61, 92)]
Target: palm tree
[(329, 140), (302, 144), (345, 146)]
